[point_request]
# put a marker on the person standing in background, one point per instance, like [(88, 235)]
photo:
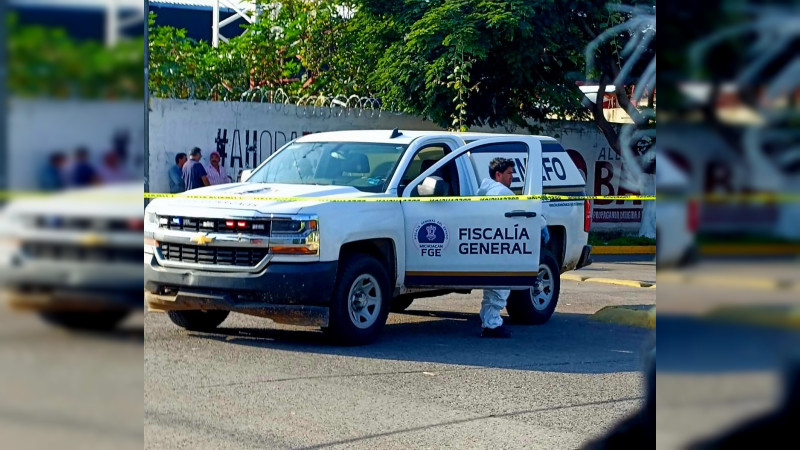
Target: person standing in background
[(216, 172), (51, 178), (112, 170), (194, 174), (82, 173), (176, 183)]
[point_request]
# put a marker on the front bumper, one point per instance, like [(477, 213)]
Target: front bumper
[(586, 257), (53, 285), (296, 293)]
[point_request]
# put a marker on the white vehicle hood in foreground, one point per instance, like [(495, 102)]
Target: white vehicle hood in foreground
[(116, 200), (249, 196)]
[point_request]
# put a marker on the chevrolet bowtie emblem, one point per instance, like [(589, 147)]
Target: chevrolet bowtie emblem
[(202, 239), (92, 240)]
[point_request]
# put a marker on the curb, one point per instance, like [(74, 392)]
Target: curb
[(626, 315), (769, 316), (749, 249), (629, 283), (763, 284), (624, 250)]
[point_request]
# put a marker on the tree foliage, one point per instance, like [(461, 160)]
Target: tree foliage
[(511, 63), (459, 63), (299, 46), (46, 62)]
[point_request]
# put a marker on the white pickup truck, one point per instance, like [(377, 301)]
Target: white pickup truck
[(73, 256), (335, 229)]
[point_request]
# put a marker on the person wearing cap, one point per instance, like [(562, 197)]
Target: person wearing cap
[(194, 174), (216, 172)]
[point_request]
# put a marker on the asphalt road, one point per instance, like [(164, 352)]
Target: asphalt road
[(429, 382), (713, 375), (70, 391)]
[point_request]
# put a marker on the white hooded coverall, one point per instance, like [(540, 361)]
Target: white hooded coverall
[(494, 300)]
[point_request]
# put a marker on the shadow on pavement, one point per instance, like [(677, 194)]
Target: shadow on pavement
[(701, 346), (568, 343)]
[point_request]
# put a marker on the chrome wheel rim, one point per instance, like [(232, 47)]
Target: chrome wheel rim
[(541, 301), (364, 301)]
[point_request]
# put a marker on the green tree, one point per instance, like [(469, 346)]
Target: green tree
[(474, 62), (459, 63), (47, 62), (462, 63)]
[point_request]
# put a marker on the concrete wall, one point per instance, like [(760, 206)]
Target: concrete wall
[(249, 132), (37, 128)]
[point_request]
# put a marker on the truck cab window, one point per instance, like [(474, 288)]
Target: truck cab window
[(423, 160)]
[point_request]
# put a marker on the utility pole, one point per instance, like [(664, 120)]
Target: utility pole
[(3, 102), (215, 25), (146, 103)]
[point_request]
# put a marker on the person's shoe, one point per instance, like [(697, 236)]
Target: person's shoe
[(499, 332)]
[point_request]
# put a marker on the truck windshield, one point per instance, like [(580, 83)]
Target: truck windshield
[(364, 166)]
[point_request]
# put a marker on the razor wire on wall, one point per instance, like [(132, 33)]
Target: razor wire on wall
[(319, 105)]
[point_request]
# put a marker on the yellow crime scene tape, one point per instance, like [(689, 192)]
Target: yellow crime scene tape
[(403, 199), (768, 198), (86, 195)]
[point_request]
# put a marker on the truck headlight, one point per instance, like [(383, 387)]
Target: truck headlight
[(293, 226), (10, 242), (294, 237), (150, 244)]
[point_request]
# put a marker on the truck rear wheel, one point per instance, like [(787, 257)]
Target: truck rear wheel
[(198, 320), (525, 308), (360, 301), (85, 320)]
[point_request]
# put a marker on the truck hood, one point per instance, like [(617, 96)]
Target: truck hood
[(249, 197), (110, 201)]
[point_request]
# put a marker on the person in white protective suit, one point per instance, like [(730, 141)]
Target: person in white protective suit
[(501, 172)]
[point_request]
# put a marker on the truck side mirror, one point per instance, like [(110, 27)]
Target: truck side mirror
[(245, 174)]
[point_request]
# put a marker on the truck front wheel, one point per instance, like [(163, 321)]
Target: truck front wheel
[(526, 308), (360, 301), (198, 320)]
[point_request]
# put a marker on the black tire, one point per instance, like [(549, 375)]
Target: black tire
[(401, 303), (197, 320), (523, 308), (360, 302), (85, 320)]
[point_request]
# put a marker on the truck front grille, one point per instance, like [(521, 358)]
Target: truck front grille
[(257, 227), (78, 253), (220, 256), (65, 223)]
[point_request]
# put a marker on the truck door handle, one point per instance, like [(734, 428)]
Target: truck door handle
[(520, 214)]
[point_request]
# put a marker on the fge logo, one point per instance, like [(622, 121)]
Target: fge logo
[(431, 237)]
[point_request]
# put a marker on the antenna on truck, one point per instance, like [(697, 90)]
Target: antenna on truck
[(395, 133)]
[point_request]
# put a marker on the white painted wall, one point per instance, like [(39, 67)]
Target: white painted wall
[(37, 128), (178, 125)]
